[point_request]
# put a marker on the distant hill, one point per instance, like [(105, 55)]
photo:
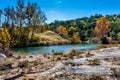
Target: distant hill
[(52, 38)]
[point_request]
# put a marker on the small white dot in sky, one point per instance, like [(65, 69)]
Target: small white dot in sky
[(59, 2)]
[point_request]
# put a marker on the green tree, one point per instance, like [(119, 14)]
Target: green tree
[(76, 38), (35, 16), (71, 30), (25, 37), (15, 36)]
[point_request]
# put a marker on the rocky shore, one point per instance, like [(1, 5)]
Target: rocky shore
[(102, 64)]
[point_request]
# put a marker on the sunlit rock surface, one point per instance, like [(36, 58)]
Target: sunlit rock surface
[(2, 57), (82, 66)]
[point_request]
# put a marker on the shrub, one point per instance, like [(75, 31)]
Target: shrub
[(76, 38), (72, 53), (24, 40), (57, 58), (58, 53), (89, 54), (35, 40), (20, 37), (69, 38), (95, 62)]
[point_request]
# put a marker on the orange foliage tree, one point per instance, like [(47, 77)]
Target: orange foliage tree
[(62, 31), (102, 27)]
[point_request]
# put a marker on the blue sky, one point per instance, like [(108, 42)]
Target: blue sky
[(71, 9)]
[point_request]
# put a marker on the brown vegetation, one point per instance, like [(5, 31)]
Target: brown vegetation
[(102, 27)]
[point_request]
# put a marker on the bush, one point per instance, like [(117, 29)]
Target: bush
[(76, 38), (72, 53), (35, 40), (69, 38), (89, 54), (57, 58), (24, 40), (95, 62), (58, 53)]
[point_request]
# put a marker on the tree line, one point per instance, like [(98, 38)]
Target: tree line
[(85, 26)]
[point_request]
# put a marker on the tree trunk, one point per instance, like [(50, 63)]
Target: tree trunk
[(20, 23), (0, 19)]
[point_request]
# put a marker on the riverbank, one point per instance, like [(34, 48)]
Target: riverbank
[(103, 64)]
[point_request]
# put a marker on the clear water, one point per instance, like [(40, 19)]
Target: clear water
[(56, 48)]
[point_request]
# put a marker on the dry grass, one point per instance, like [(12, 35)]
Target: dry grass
[(89, 54), (94, 62), (73, 54), (107, 46), (78, 77), (116, 73), (52, 38)]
